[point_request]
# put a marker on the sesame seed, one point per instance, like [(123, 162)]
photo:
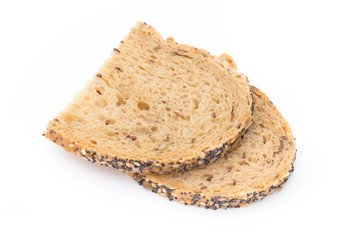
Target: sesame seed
[(83, 151)]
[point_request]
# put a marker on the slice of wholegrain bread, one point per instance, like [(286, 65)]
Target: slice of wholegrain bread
[(259, 164), (155, 106)]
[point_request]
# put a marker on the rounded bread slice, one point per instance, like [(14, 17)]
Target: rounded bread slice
[(156, 106), (258, 164)]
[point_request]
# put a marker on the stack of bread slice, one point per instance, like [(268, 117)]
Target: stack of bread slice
[(181, 122)]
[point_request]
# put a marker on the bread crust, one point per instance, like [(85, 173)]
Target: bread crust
[(211, 201), (206, 201), (74, 144)]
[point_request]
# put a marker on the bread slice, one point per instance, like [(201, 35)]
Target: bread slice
[(155, 106), (259, 164)]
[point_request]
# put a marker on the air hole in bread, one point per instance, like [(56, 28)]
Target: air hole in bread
[(101, 117), (69, 118), (110, 121), (196, 103), (110, 133), (100, 102), (241, 163), (143, 105)]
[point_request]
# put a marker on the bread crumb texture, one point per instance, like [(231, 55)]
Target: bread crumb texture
[(156, 106), (259, 164)]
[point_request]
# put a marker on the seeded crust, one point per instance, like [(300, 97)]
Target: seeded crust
[(237, 179), (61, 131)]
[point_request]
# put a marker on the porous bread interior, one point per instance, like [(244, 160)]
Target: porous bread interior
[(158, 100), (261, 159)]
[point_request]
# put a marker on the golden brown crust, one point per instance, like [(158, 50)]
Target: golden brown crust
[(230, 61), (209, 202), (74, 145)]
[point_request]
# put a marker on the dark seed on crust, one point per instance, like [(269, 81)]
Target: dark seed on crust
[(234, 182), (244, 155), (209, 178), (121, 41), (238, 126), (99, 75), (192, 140), (116, 50), (203, 187), (56, 120), (117, 69), (107, 122), (213, 114)]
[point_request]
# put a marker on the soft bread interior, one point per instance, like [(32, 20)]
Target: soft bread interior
[(158, 100)]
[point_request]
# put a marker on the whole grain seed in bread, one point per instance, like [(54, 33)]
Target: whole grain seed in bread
[(155, 106), (258, 164)]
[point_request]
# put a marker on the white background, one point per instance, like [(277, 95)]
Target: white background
[(304, 54)]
